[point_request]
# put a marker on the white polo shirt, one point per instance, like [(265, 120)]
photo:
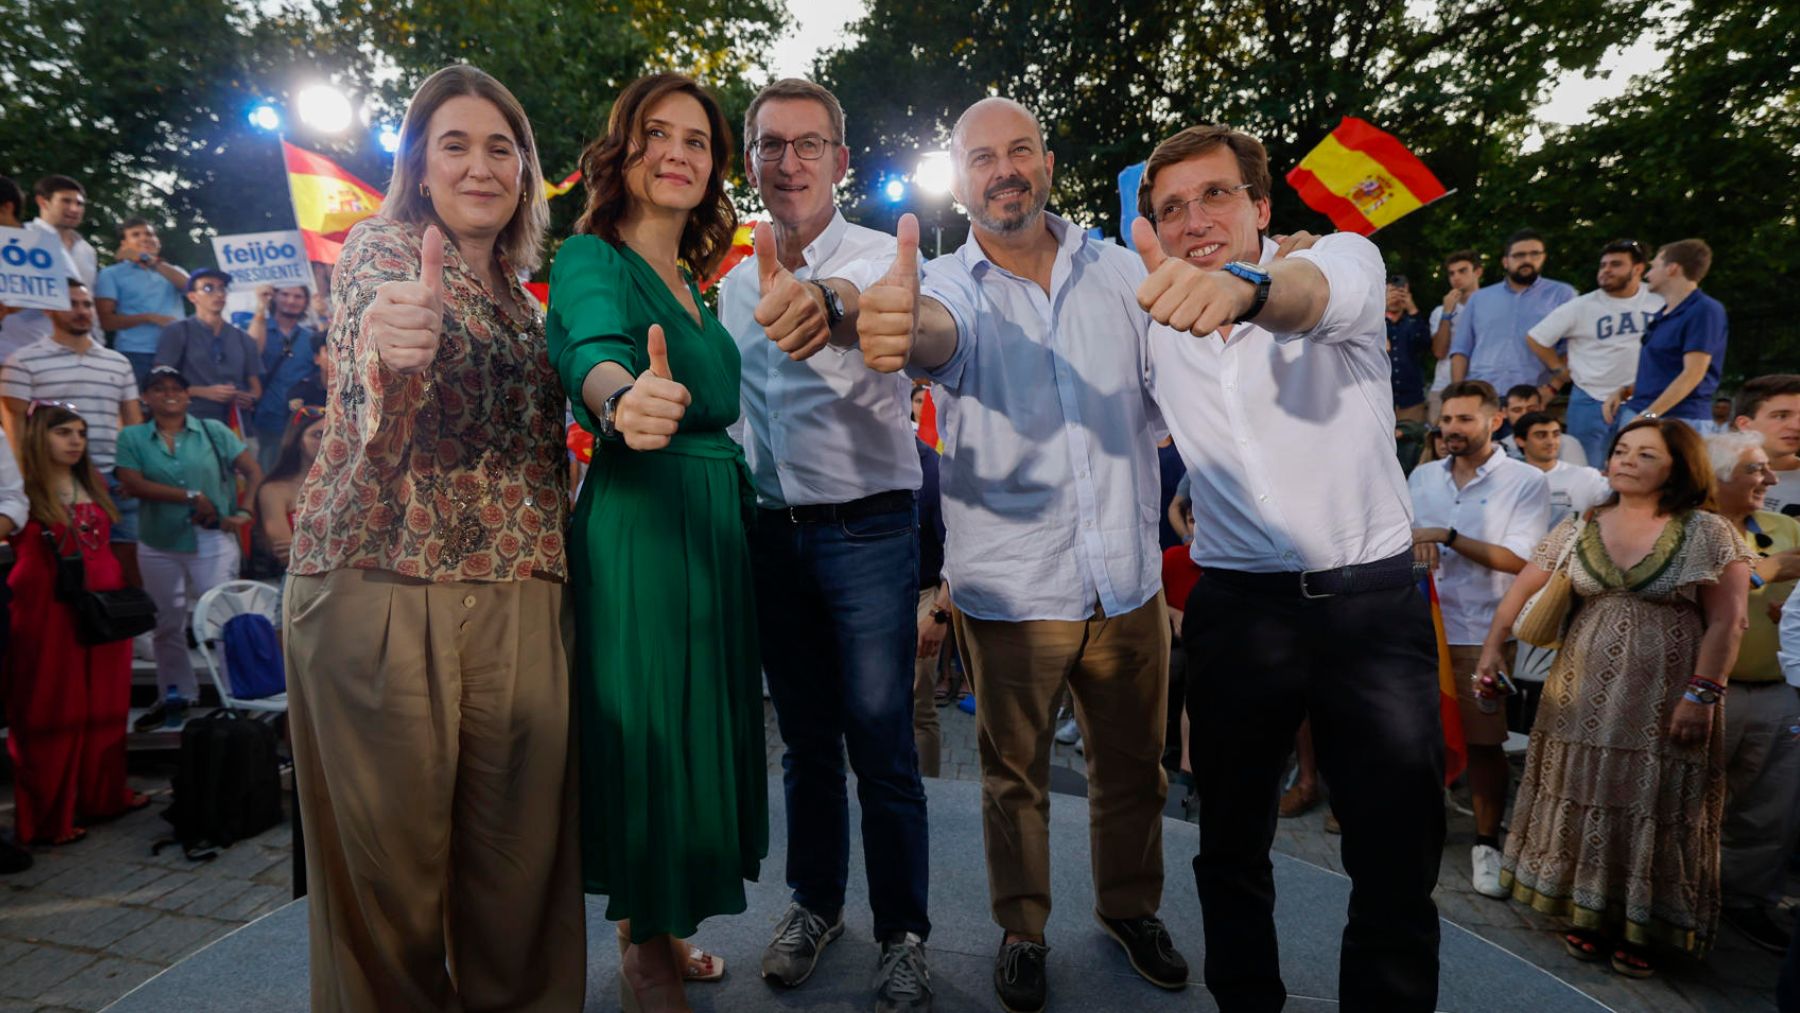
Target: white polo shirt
[(829, 429), (1507, 503)]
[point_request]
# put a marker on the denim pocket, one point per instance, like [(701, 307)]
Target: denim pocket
[(878, 526)]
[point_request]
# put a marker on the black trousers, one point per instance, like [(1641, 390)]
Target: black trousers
[(1364, 667)]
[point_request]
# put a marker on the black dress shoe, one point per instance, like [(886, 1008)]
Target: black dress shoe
[(1151, 951), (1019, 977), (1758, 927)]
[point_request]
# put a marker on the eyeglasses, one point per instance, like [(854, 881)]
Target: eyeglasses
[(209, 289), (810, 147), (1214, 200), (32, 408)]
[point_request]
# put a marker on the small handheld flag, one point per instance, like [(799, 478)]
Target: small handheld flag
[(1363, 178)]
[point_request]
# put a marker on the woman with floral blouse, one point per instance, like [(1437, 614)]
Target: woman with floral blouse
[(429, 692)]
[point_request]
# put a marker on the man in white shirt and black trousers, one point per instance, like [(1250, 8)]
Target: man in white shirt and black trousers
[(1477, 515), (1273, 377), (834, 552)]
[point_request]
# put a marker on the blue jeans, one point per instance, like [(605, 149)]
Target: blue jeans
[(1589, 427), (837, 611)]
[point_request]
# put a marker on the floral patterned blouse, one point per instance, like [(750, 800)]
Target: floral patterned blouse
[(455, 473)]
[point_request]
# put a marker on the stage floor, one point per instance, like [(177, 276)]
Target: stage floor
[(262, 967)]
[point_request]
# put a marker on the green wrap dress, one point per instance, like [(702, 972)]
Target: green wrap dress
[(674, 791)]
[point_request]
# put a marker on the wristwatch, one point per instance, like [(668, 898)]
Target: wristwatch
[(193, 496), (1256, 276), (609, 410), (1704, 696), (834, 306), (940, 616)]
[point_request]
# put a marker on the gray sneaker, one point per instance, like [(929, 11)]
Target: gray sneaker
[(902, 981), (799, 939)]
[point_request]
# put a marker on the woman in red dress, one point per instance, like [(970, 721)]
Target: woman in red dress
[(67, 703)]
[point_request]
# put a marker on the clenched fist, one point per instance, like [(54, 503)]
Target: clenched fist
[(406, 320), (791, 311), (889, 313)]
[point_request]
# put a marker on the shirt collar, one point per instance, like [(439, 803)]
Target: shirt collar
[(1069, 239), (1496, 454)]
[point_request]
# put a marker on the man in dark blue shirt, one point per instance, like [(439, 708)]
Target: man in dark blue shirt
[(1684, 348), (1409, 341)]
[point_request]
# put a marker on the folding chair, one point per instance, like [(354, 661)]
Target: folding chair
[(217, 607)]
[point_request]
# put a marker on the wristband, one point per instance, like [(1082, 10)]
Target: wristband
[(1705, 700), (1449, 537), (1701, 683)]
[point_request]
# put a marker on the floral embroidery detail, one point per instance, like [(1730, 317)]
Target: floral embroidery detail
[(457, 474)]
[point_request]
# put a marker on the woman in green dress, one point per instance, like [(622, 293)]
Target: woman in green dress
[(674, 792)]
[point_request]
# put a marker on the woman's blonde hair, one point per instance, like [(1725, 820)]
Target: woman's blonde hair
[(521, 241)]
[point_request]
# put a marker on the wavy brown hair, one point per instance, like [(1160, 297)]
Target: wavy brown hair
[(1690, 482), (521, 241), (34, 462), (707, 236)]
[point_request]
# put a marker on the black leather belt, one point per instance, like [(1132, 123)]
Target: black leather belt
[(830, 513), (1381, 575)]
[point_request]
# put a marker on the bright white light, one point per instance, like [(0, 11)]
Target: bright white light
[(324, 108), (264, 117), (895, 190), (934, 173), (389, 139)]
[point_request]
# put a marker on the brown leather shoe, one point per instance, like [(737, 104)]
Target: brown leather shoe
[(1297, 801)]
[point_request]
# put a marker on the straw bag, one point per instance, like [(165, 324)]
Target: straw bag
[(1546, 614)]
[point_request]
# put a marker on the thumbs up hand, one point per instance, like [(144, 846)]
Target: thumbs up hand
[(1184, 296), (791, 311), (406, 320), (889, 309), (650, 412)]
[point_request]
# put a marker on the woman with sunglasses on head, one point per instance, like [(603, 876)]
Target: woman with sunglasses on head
[(184, 472), (675, 808), (66, 702), (279, 495), (427, 681)]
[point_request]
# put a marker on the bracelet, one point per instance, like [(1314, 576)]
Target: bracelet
[(1692, 697), (1699, 682)]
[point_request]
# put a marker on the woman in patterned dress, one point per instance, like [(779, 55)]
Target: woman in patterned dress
[(674, 813), (428, 689), (1616, 825)]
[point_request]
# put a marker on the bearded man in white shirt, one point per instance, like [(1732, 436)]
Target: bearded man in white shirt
[(1273, 376), (835, 550)]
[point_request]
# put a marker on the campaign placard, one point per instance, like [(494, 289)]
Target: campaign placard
[(34, 270), (255, 259)]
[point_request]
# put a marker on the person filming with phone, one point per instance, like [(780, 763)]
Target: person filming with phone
[(1476, 515)]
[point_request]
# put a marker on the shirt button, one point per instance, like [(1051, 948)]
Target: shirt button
[(529, 501), (1264, 498), (468, 601)]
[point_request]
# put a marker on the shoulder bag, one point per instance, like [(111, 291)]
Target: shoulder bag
[(1546, 614), (101, 617)]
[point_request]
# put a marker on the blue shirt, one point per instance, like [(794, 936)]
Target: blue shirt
[(202, 459), (1408, 343), (1490, 330), (1697, 324), (1049, 476), (287, 359), (136, 289)]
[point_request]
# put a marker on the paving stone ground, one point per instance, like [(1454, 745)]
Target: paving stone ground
[(90, 921)]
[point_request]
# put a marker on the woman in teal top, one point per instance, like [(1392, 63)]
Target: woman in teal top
[(674, 792)]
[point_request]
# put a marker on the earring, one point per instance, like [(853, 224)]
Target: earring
[(424, 191)]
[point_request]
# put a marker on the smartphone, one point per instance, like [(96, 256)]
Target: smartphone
[(1503, 684), (145, 259)]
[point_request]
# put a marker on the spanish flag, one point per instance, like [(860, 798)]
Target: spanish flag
[(1363, 178), (1456, 742), (552, 190), (327, 201), (743, 244)]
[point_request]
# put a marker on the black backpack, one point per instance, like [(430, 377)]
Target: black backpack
[(227, 783)]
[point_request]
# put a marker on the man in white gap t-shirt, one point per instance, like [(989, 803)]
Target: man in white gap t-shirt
[(1771, 406), (1604, 330)]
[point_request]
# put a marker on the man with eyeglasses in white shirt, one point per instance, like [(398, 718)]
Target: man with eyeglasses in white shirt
[(1273, 375), (834, 551)]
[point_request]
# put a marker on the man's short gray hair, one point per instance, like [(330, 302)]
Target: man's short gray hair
[(1725, 450), (795, 88)]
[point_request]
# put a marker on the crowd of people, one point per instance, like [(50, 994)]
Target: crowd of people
[(477, 646)]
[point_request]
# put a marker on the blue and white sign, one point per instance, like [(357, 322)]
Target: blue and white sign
[(255, 259), (34, 270)]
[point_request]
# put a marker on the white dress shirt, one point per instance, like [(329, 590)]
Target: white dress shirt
[(12, 488), (1506, 504), (1788, 649), (1289, 438), (829, 429), (1050, 479)]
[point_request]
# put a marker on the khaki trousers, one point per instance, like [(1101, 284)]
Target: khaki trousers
[(434, 769), (927, 738), (1118, 670)]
